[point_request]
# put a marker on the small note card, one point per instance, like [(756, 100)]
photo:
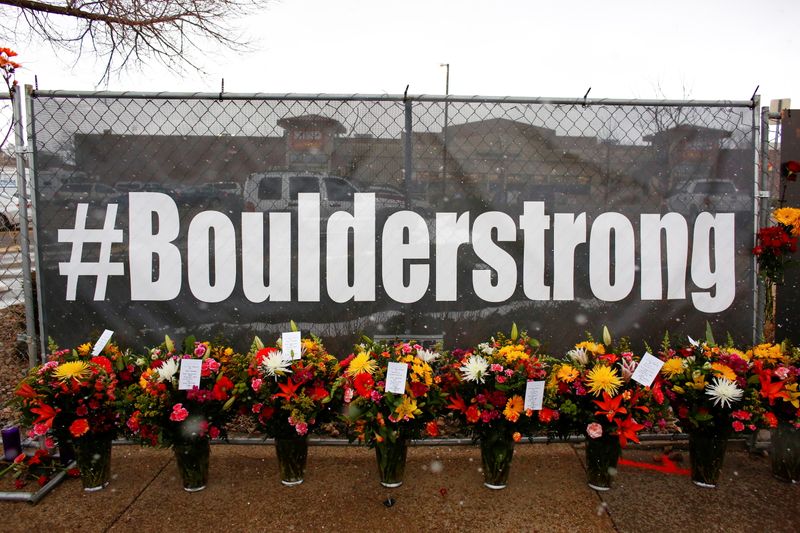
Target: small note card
[(101, 342), (190, 374), (291, 345), (396, 378), (534, 395), (647, 370)]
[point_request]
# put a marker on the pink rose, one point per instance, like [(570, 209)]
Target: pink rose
[(594, 430)]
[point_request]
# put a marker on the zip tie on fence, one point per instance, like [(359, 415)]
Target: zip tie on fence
[(586, 96), (753, 98)]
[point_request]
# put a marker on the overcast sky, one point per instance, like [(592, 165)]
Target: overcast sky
[(702, 49)]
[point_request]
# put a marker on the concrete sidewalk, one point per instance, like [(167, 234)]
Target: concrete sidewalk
[(443, 491)]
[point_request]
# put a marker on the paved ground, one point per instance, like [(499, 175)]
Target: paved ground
[(443, 492)]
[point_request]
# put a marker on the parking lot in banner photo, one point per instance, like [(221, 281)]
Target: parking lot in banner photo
[(11, 291)]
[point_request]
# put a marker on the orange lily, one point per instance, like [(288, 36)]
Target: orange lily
[(770, 390), (628, 429), (610, 406), (457, 404), (25, 391), (288, 390), (46, 414)]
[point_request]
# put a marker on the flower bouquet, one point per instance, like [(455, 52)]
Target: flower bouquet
[(73, 397), (707, 387), (288, 398), (164, 410), (777, 370), (593, 395), (487, 387), (391, 395)]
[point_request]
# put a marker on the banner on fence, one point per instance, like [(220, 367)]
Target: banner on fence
[(229, 218)]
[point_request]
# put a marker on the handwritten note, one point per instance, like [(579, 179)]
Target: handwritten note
[(647, 370), (396, 378), (190, 374), (101, 342), (291, 344), (534, 395)]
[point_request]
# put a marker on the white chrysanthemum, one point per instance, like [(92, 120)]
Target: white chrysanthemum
[(167, 370), (724, 391), (579, 356), (276, 364), (486, 348), (428, 356), (475, 368)]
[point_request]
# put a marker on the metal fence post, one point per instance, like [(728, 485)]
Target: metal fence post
[(762, 220), (24, 235)]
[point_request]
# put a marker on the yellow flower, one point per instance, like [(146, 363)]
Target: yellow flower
[(567, 374), (673, 366), (362, 363), (603, 378), (421, 371), (794, 395), (789, 216), (84, 349), (767, 352), (513, 352), (72, 370), (407, 408), (514, 408), (723, 371), (698, 382), (594, 347)]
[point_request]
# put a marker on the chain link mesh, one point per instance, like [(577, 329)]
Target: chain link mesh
[(467, 156)]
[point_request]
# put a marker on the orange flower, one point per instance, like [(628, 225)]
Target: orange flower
[(514, 408), (79, 427), (517, 436)]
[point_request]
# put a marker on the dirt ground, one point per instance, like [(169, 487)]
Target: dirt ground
[(13, 363)]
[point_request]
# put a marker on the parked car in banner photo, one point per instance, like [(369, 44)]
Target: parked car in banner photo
[(277, 191), (695, 196)]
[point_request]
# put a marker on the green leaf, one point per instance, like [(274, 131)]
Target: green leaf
[(606, 336), (169, 344), (293, 326), (514, 332), (188, 344), (709, 335)]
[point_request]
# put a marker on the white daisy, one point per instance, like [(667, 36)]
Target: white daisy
[(475, 368), (276, 364), (579, 356), (167, 370), (428, 356), (724, 391)]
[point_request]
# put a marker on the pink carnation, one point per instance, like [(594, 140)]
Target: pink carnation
[(500, 379), (508, 372), (200, 349), (348, 395), (301, 428), (256, 409), (594, 430), (738, 426), (256, 384), (782, 372), (494, 367), (178, 413)]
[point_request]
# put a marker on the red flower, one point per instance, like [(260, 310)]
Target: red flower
[(457, 404), (103, 362), (628, 429), (79, 427), (418, 389), (363, 384), (288, 390), (264, 353), (317, 392), (74, 472), (179, 413), (432, 429), (609, 406), (46, 414), (738, 426), (771, 420), (265, 414), (221, 388), (546, 415), (473, 414), (790, 169), (42, 480)]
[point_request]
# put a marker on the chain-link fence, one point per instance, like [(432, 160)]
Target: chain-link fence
[(211, 197), (12, 297)]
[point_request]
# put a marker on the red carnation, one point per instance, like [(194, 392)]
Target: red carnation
[(79, 427)]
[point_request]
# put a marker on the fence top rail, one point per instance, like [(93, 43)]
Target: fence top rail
[(586, 102)]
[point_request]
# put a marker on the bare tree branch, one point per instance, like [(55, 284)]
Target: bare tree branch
[(126, 32)]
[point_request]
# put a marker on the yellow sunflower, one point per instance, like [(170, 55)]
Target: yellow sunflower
[(362, 363), (603, 378), (72, 370)]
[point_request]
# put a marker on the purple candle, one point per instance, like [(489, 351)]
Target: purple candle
[(12, 446)]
